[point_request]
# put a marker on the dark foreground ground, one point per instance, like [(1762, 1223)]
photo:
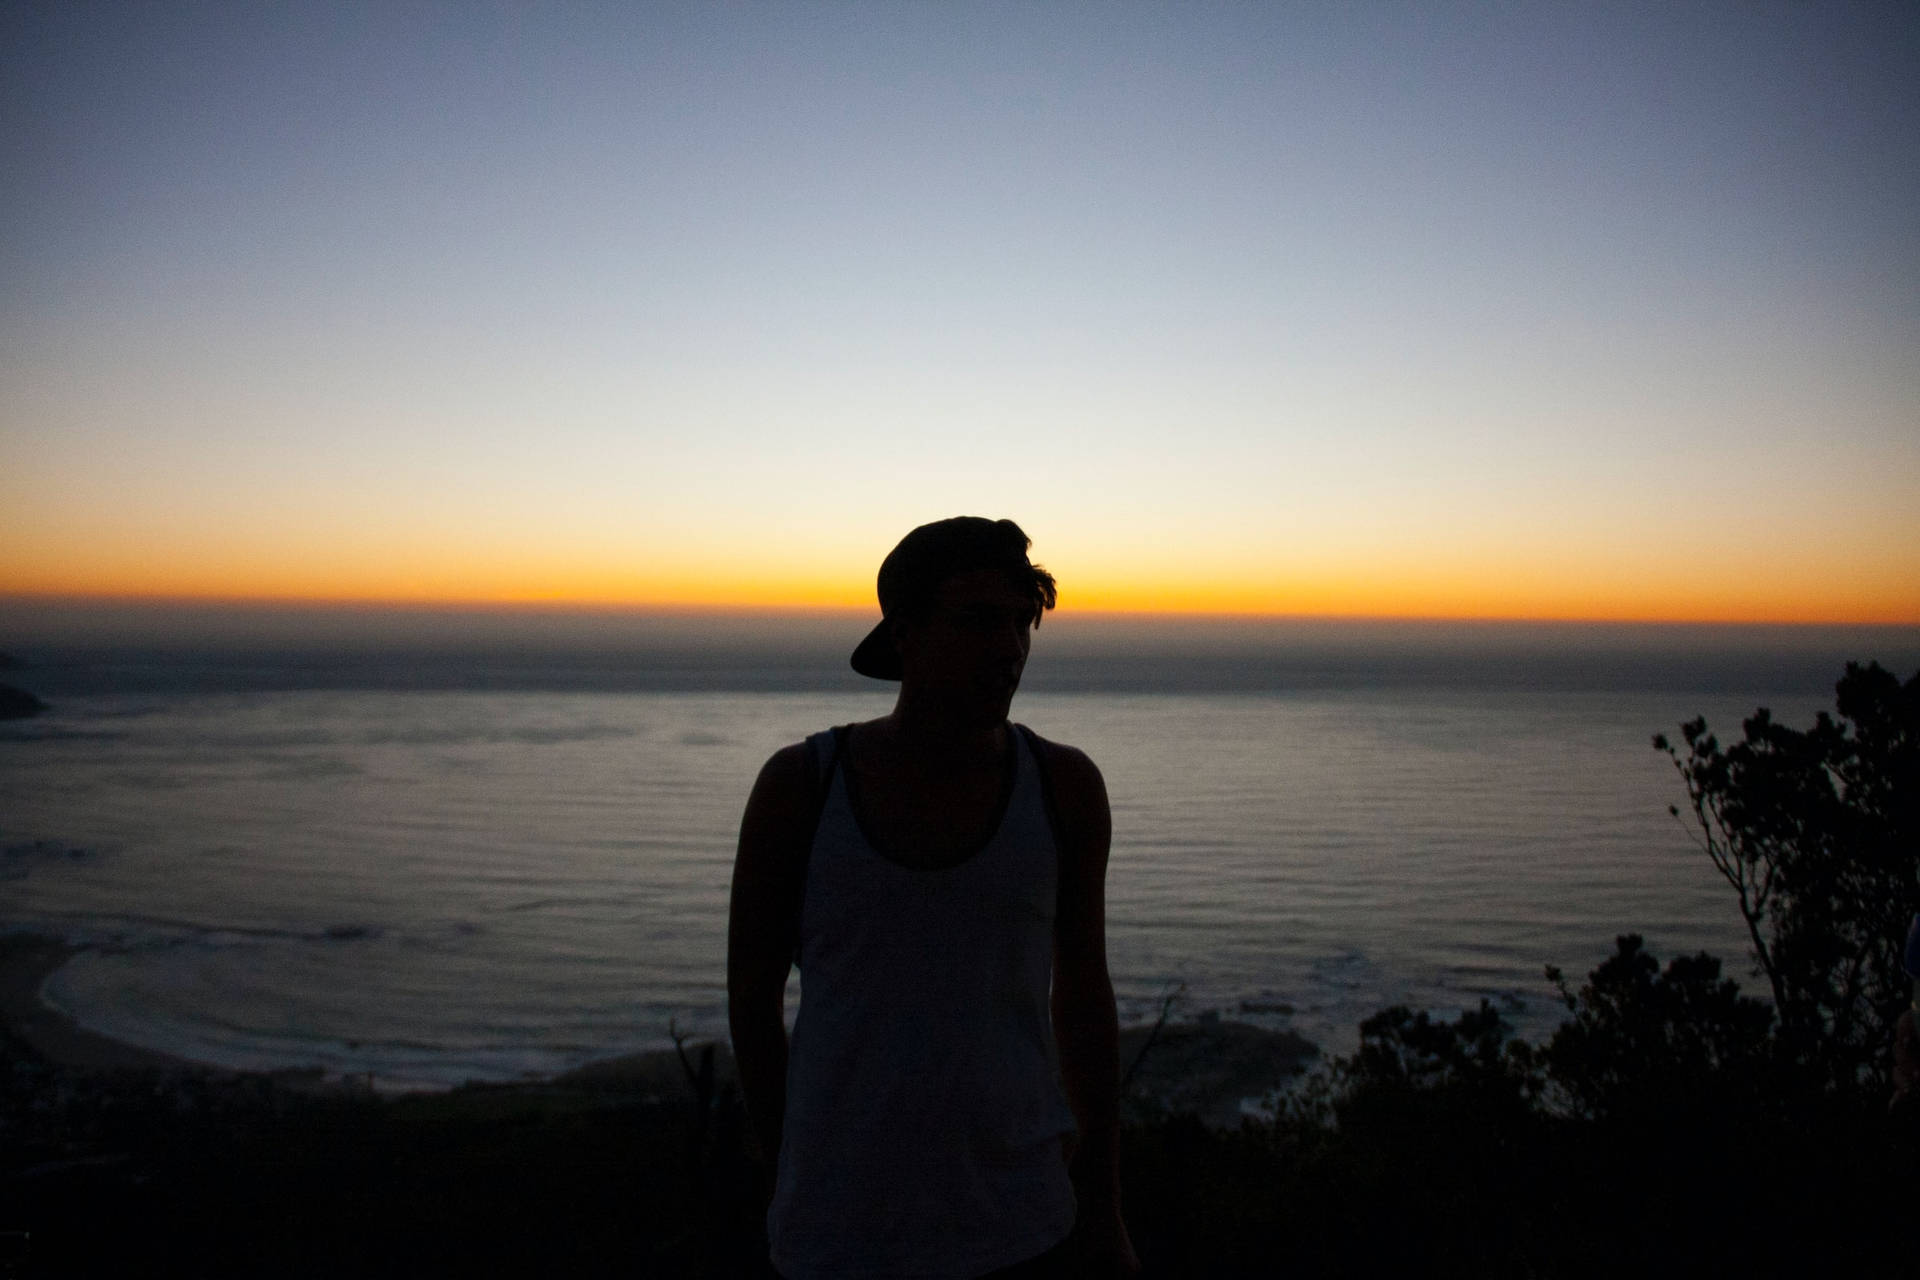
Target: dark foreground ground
[(163, 1172)]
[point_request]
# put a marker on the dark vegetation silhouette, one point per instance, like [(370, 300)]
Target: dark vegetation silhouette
[(1672, 1125), (1818, 833)]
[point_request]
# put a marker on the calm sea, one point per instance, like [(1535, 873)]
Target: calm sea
[(493, 862)]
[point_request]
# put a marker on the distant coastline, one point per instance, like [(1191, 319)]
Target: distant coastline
[(83, 652)]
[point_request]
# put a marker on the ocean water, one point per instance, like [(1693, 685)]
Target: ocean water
[(498, 876)]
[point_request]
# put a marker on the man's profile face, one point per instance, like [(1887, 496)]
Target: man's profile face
[(971, 644)]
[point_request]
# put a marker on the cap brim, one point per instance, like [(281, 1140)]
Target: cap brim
[(875, 656)]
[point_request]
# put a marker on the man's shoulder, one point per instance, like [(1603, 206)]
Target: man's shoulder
[(1071, 771), (1082, 819), (1061, 753), (788, 764), (779, 796), (798, 768)]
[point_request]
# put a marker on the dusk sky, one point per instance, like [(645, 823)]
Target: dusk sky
[(1443, 309)]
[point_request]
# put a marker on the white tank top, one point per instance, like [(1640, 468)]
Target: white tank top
[(924, 1119)]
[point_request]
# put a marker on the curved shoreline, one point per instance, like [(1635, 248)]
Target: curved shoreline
[(26, 962), (1207, 1066)]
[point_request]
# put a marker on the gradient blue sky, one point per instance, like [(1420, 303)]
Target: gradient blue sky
[(1573, 310)]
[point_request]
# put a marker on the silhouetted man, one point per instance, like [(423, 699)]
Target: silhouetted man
[(939, 876)]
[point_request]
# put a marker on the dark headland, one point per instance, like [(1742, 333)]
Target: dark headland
[(18, 704)]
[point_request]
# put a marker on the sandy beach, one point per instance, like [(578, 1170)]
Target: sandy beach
[(26, 962)]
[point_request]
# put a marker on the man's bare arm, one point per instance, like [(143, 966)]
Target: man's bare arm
[(763, 920), (1085, 1025)]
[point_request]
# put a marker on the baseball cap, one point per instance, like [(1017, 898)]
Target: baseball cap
[(930, 555)]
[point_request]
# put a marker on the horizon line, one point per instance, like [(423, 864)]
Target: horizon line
[(578, 607)]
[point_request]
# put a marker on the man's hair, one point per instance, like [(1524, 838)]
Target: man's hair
[(933, 553)]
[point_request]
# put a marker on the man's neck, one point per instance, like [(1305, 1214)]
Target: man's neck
[(937, 735)]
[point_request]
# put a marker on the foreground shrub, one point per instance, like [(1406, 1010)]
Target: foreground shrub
[(1818, 833), (1650, 1044)]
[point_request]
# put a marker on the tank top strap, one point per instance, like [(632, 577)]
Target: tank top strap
[(1037, 748)]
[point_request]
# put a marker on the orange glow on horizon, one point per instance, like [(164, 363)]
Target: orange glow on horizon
[(1500, 596), (1100, 570)]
